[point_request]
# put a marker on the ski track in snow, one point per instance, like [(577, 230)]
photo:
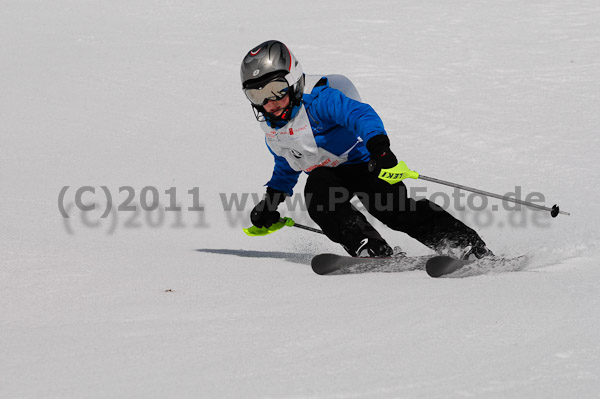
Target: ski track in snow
[(182, 304)]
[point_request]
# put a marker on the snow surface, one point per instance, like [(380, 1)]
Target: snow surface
[(490, 94)]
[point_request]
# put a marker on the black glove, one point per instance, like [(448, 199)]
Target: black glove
[(265, 212), (381, 155)]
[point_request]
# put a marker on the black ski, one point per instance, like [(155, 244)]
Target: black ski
[(436, 266), (441, 266), (332, 264)]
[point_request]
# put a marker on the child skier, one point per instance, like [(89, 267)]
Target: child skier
[(342, 145)]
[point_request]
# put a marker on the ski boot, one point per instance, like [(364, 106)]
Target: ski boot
[(474, 252), (372, 248)]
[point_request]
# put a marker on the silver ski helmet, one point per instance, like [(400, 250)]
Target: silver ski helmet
[(269, 72)]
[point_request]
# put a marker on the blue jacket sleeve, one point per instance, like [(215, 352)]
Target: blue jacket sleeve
[(284, 177), (358, 117)]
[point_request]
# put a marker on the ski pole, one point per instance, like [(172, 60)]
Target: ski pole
[(401, 172), (303, 227), (254, 231), (554, 211)]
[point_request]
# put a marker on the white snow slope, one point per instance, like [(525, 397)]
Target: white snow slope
[(490, 94)]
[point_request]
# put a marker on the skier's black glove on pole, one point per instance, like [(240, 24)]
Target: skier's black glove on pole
[(381, 155), (265, 212)]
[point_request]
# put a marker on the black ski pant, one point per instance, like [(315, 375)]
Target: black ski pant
[(328, 193)]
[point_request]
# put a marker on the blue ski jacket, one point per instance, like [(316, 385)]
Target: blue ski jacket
[(339, 124)]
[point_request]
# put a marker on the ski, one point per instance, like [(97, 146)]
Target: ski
[(446, 266), (332, 264), (436, 266)]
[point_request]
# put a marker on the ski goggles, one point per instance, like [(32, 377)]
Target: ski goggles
[(274, 90)]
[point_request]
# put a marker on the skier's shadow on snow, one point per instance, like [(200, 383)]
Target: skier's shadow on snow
[(288, 256)]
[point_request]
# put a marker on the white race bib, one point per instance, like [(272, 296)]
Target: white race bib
[(296, 143)]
